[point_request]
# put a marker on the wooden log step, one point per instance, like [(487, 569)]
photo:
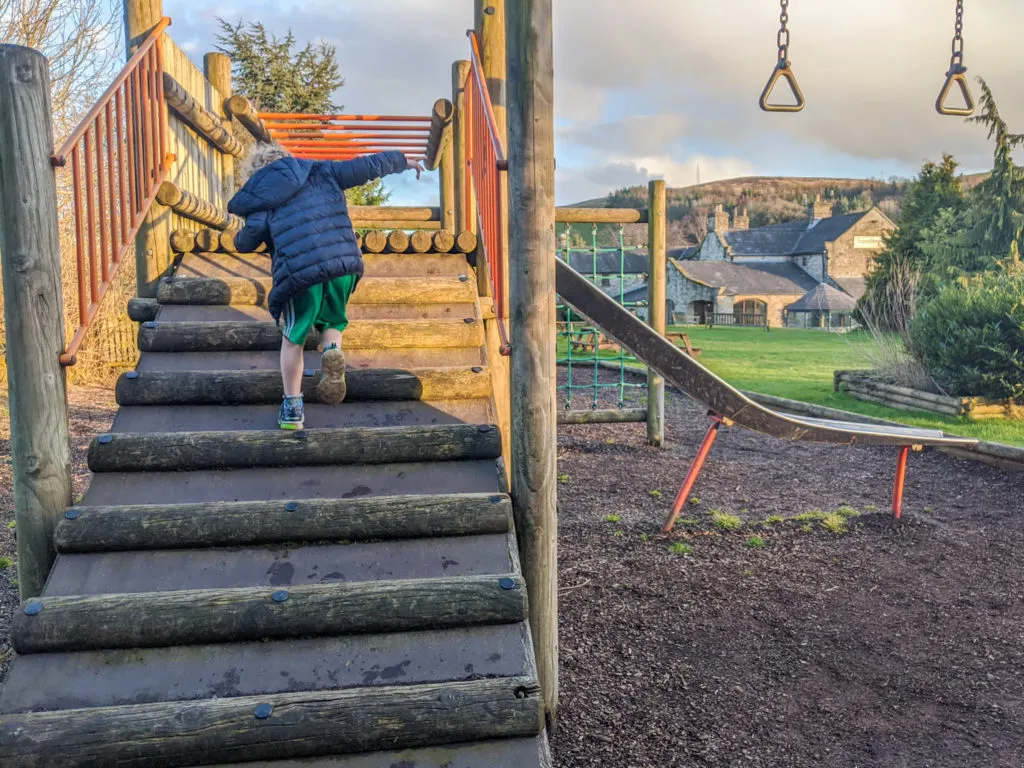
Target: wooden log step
[(142, 310), (357, 313), (506, 753), (192, 617), (355, 359), (183, 451), (49, 681), (245, 387), (393, 290), (279, 726), (221, 524), (200, 418), (283, 565), (235, 336), (284, 484), (223, 265)]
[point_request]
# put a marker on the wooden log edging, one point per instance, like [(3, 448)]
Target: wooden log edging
[(277, 726), (257, 336), (193, 617), (185, 451), (185, 204), (243, 111), (205, 123), (184, 241), (264, 387), (222, 524)]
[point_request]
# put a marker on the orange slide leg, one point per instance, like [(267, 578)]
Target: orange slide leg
[(691, 476), (901, 476)]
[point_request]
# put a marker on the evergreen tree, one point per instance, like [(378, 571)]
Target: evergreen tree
[(276, 77)]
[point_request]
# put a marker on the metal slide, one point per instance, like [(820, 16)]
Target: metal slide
[(719, 396)]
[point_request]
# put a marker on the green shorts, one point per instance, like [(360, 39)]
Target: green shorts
[(321, 307)]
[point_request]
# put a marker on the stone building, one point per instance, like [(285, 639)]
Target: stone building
[(749, 276)]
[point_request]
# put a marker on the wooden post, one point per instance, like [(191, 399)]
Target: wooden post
[(446, 182), (153, 242), (531, 175), (34, 312), (657, 270), (217, 67), (465, 218)]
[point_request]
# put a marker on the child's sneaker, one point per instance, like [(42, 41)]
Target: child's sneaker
[(332, 388), (293, 413)]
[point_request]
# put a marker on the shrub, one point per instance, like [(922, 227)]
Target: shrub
[(970, 336)]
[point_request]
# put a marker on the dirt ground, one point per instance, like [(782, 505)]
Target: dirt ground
[(897, 645)]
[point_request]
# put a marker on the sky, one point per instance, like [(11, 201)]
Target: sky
[(669, 88)]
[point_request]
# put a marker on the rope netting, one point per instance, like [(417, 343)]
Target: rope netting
[(598, 372)]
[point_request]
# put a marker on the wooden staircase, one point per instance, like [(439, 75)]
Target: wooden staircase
[(226, 592)]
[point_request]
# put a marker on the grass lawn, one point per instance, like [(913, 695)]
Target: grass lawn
[(799, 365)]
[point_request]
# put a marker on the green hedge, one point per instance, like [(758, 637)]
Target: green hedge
[(970, 336)]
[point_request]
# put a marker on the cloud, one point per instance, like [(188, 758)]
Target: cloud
[(652, 88)]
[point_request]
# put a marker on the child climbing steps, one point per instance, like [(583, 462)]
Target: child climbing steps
[(298, 208)]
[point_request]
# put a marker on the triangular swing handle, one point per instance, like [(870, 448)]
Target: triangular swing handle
[(956, 74), (783, 71)]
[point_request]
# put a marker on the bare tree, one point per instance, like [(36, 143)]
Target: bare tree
[(81, 40)]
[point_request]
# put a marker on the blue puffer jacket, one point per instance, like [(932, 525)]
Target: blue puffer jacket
[(298, 208)]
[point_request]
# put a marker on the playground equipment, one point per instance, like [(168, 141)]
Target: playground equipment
[(955, 75), (728, 406)]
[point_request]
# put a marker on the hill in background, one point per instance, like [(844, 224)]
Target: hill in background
[(766, 199)]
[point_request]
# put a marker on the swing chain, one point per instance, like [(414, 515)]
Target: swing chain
[(783, 38), (956, 62)]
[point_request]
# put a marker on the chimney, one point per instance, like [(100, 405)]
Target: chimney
[(740, 220), (718, 221), (819, 209)]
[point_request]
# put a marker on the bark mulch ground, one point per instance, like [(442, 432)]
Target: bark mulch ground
[(890, 644), (785, 643)]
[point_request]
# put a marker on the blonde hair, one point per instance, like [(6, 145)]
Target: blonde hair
[(260, 156)]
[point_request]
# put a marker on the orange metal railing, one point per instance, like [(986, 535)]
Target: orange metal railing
[(343, 137), (118, 157), (485, 160)]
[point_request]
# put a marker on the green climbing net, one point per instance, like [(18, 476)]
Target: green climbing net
[(583, 349)]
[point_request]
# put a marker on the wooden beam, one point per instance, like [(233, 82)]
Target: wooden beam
[(394, 213), (600, 216), (531, 176), (185, 204), (33, 312), (657, 277), (193, 617), (243, 111), (220, 291), (605, 416), (440, 132), (285, 725), (386, 224), (465, 218), (264, 387), (205, 123), (217, 68), (250, 336), (153, 255), (228, 524), (183, 451)]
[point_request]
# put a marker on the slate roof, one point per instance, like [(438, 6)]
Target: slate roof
[(609, 263), (824, 298), (790, 238), (855, 286), (778, 278)]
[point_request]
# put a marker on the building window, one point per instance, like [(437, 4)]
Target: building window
[(750, 312), (606, 282)]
